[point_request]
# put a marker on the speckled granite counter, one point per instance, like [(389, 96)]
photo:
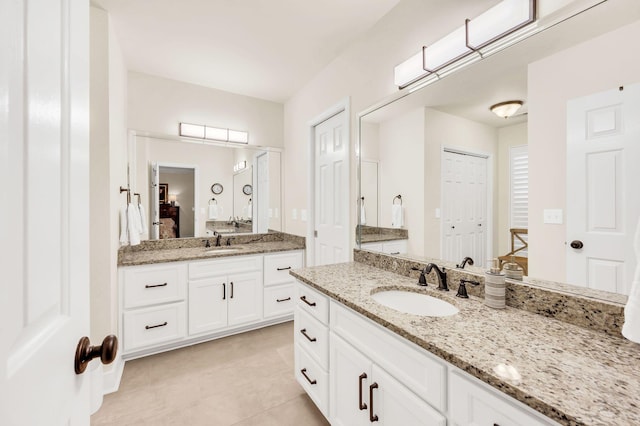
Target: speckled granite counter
[(374, 234), (573, 375), (175, 250)]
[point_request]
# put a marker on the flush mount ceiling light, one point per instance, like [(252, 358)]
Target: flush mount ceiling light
[(506, 109), (493, 30)]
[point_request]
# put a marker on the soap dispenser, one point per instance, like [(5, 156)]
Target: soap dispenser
[(513, 270), (494, 286)]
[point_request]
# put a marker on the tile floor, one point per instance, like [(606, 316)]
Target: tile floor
[(241, 380)]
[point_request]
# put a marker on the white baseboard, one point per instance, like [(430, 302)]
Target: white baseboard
[(112, 377)]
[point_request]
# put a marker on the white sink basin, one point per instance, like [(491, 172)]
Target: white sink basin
[(415, 303), (223, 250)]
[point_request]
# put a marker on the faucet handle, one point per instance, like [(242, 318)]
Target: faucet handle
[(462, 290), (422, 281)]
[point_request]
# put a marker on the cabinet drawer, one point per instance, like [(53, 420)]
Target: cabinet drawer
[(277, 267), (313, 378), (410, 365), (313, 302), (229, 265), (151, 285), (279, 300), (313, 336), (473, 403), (152, 326)]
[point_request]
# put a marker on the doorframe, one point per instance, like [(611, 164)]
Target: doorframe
[(490, 176), (342, 105), (196, 207)]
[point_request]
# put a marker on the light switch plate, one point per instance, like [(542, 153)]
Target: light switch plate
[(437, 213), (553, 216), (270, 213)]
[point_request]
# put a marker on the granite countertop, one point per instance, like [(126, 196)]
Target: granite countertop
[(573, 375), (376, 238), (144, 257)]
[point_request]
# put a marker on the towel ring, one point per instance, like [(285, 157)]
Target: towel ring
[(397, 197), (213, 199), (135, 194)]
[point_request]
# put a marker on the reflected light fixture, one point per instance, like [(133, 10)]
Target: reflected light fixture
[(506, 109), (201, 131)]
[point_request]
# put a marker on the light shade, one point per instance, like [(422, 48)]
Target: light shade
[(238, 136), (192, 130), (506, 109), (216, 133)]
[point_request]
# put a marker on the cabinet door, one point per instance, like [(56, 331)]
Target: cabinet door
[(394, 404), (245, 298), (350, 372), (208, 304)]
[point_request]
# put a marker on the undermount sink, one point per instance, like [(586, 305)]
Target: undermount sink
[(410, 302), (222, 250)]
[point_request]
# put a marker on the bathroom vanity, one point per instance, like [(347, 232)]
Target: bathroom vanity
[(187, 293), (363, 362)]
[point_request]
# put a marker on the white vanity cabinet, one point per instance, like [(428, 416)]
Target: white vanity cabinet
[(279, 286), (387, 247), (153, 305), (224, 292)]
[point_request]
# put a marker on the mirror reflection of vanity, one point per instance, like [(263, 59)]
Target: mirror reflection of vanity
[(212, 186), (454, 161)]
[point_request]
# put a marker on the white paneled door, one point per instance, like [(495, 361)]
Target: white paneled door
[(44, 159), (603, 207), (331, 191), (464, 207)]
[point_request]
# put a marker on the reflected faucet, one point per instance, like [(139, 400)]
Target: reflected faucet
[(441, 274), (464, 262), (218, 238)]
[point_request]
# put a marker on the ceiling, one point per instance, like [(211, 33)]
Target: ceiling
[(266, 49)]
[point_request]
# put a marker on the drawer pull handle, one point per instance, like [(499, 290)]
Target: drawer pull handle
[(283, 300), (231, 290), (372, 417), (304, 373), (149, 327), (361, 405), (304, 333), (155, 285), (304, 299), (224, 291), (284, 269)]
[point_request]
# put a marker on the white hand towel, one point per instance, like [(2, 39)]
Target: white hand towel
[(143, 221), (124, 239), (213, 211), (249, 210), (363, 215), (133, 225), (396, 216), (631, 327)]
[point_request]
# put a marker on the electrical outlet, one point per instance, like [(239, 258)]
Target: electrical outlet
[(553, 216), (303, 215), (270, 213), (294, 214)]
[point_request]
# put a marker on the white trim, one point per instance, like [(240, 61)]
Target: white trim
[(113, 376), (343, 105), (490, 176)]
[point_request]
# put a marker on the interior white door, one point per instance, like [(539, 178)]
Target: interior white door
[(44, 141), (464, 206), (331, 191), (603, 207), (155, 200)]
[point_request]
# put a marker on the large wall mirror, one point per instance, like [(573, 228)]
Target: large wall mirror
[(204, 188), (556, 177)]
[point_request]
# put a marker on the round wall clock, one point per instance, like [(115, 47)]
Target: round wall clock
[(247, 189), (216, 188)]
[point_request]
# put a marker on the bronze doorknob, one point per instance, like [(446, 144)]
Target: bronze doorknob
[(576, 244), (85, 352)]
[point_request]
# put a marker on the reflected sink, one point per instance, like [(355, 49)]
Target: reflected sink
[(222, 250), (415, 303)]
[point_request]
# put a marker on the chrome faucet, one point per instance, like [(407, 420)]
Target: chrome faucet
[(441, 274), (218, 238)]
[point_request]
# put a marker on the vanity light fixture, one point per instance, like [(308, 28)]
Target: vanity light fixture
[(240, 166), (200, 131), (466, 44), (506, 109)]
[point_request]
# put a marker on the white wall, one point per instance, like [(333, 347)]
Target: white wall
[(158, 104), (597, 65), (107, 170), (446, 130), (401, 155), (508, 137)]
